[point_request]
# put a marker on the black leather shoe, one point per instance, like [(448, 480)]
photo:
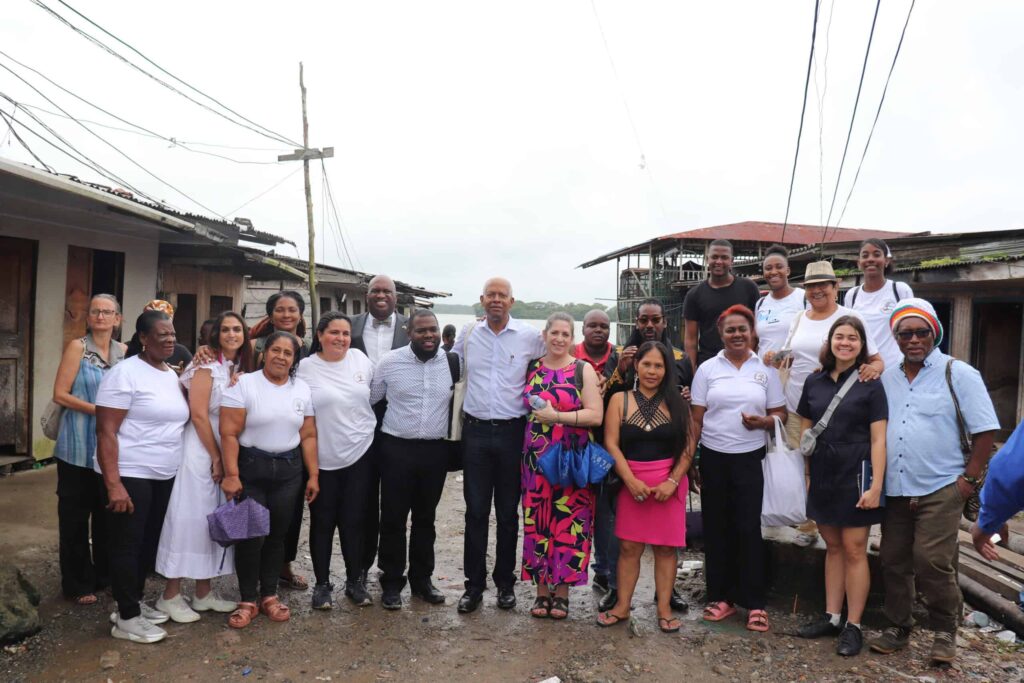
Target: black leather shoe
[(610, 599), (391, 600), (601, 582), (427, 592), (506, 598), (851, 640), (469, 601), (677, 603), (819, 628)]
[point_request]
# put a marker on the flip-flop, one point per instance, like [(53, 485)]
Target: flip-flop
[(607, 619), (295, 581), (665, 624), (87, 599)]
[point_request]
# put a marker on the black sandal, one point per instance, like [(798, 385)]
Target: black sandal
[(542, 602), (561, 604)]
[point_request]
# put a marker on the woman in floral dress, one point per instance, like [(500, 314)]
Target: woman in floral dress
[(557, 521)]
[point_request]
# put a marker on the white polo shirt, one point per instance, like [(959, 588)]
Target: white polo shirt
[(727, 393)]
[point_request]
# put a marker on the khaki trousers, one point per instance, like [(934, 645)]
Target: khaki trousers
[(920, 549)]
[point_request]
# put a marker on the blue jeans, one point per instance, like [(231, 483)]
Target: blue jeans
[(606, 543)]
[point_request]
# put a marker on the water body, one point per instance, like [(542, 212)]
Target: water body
[(460, 320)]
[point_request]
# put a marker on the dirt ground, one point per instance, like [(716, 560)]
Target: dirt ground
[(423, 642)]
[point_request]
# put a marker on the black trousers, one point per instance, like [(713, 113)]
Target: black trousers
[(371, 512), (131, 535), (730, 500), (341, 505), (274, 483), (291, 539), (413, 472), (80, 504), (492, 458)]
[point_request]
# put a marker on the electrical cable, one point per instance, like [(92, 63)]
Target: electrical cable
[(108, 143), (644, 165), (820, 96), (9, 119), (290, 174), (803, 110), (268, 134), (877, 113), (853, 117), (349, 254)]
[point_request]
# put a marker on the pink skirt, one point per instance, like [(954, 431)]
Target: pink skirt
[(650, 521)]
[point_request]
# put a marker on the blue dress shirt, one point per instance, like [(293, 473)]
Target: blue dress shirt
[(922, 439), (496, 368)]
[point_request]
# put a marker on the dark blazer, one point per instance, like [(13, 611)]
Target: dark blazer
[(401, 339)]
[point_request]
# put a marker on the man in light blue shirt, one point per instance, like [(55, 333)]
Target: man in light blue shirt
[(926, 479), (495, 353)]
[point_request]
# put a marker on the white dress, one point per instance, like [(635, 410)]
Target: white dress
[(185, 549)]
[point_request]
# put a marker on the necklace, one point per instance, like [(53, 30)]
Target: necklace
[(648, 408)]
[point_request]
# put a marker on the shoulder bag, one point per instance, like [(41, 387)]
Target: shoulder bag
[(455, 415), (809, 439), (52, 414), (972, 506)]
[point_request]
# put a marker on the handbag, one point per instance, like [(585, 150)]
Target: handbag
[(50, 419), (575, 465), (972, 506), (809, 439), (785, 494), (236, 521), (459, 387)]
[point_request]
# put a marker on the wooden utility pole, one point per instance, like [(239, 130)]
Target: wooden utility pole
[(306, 154)]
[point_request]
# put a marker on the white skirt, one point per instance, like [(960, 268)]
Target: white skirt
[(185, 549)]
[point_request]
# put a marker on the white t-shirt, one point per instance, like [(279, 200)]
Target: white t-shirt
[(808, 339), (728, 393), (341, 397), (875, 308), (150, 438), (774, 317), (273, 413)]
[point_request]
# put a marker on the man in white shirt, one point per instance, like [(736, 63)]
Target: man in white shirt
[(495, 353), (376, 332), (417, 380)]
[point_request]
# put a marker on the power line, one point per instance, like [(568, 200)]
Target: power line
[(108, 143), (265, 132), (877, 113), (274, 186), (803, 110), (140, 130), (11, 131), (349, 254), (644, 165), (853, 117), (820, 96)]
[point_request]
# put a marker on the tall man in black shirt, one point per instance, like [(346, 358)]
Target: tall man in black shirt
[(705, 302)]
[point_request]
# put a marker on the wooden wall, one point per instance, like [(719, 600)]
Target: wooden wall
[(175, 280)]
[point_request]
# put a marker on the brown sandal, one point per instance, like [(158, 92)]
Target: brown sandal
[(87, 599), (275, 609), (243, 615)]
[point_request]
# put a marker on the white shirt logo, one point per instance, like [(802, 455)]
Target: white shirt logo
[(359, 378), (299, 406), (761, 378)]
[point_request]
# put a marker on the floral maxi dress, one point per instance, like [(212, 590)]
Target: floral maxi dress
[(557, 521)]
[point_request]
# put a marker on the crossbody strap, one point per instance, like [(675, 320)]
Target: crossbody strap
[(965, 439), (823, 422), (792, 331)]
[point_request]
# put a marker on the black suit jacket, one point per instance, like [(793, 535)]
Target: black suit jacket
[(401, 339)]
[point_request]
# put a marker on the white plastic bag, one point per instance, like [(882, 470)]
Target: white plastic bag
[(785, 494)]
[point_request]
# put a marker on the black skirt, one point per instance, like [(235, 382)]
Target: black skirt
[(835, 486)]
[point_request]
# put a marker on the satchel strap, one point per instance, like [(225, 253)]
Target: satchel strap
[(965, 438), (836, 400)]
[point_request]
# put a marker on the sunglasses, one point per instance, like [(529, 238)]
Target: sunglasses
[(907, 335)]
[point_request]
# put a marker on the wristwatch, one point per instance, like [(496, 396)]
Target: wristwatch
[(975, 482)]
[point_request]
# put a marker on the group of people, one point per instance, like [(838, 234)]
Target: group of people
[(359, 426)]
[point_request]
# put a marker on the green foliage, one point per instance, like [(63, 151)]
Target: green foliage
[(941, 261)]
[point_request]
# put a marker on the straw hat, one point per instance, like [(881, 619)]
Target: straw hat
[(819, 271)]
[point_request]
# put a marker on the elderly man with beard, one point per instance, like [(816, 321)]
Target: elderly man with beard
[(417, 381), (932, 397), (650, 326)]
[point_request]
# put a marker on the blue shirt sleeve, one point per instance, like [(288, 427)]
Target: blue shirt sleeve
[(1003, 493), (975, 403)]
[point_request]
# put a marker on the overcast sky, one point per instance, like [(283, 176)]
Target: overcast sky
[(482, 138)]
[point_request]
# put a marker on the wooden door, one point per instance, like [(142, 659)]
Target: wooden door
[(17, 266)]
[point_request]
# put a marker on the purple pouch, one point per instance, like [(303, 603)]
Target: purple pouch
[(236, 521)]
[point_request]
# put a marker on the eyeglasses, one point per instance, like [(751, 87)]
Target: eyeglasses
[(920, 333), (103, 313), (653, 320)]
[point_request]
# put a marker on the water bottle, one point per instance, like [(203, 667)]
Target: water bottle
[(537, 403)]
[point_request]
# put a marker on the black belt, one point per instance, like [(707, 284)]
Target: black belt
[(286, 455), (494, 423)]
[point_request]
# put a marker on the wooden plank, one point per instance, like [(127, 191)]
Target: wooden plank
[(1008, 561), (989, 578)]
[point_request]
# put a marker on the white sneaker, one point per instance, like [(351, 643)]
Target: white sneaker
[(214, 602), (138, 630), (177, 609), (153, 616)]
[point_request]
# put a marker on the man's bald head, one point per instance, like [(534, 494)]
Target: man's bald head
[(381, 297), (596, 329)]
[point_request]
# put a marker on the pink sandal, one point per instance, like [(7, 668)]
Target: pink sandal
[(757, 620), (716, 611)]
